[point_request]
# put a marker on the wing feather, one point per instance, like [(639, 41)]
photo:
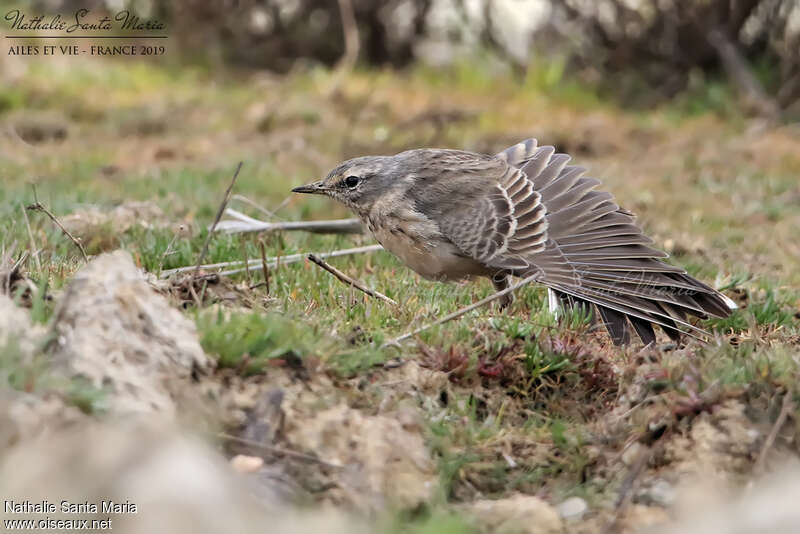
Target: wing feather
[(501, 226), (595, 253)]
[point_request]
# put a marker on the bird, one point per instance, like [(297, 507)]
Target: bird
[(523, 212)]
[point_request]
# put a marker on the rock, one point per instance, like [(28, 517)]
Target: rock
[(520, 514), (718, 446), (17, 333), (573, 508), (98, 228), (246, 464), (24, 416), (162, 482), (384, 463), (659, 493), (639, 518), (115, 331)]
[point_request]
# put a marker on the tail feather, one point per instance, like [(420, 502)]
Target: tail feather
[(644, 329), (634, 308), (597, 254), (617, 325)]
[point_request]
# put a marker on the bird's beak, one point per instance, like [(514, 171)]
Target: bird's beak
[(314, 188)]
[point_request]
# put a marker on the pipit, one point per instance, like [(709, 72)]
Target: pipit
[(451, 214)]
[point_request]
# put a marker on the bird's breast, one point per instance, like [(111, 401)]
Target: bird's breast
[(423, 249)]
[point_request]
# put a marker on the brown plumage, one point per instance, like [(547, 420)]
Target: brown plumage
[(449, 214)]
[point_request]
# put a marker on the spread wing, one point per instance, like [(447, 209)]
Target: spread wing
[(613, 267), (503, 224)]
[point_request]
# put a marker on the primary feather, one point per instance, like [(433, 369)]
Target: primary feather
[(613, 267)]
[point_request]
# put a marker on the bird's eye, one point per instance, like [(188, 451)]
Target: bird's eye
[(351, 181)]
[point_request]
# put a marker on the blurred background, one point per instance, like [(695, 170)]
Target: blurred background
[(639, 51)]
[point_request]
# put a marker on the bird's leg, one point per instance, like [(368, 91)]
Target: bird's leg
[(501, 281)]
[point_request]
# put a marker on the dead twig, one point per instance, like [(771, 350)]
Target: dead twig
[(37, 206), (350, 281), (271, 262), (244, 223), (264, 266), (279, 450), (220, 211), (456, 314), (786, 408)]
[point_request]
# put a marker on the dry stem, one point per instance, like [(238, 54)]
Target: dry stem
[(278, 450), (272, 262), (220, 211), (264, 267), (245, 223), (350, 281), (462, 311), (37, 206), (34, 250)]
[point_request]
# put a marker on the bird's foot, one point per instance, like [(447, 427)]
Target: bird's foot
[(505, 302), (501, 282)]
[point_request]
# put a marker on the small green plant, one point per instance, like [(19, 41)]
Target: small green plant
[(540, 361), (771, 310), (256, 337)]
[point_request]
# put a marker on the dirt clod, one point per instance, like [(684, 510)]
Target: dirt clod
[(124, 338), (384, 463), (98, 228), (520, 514)]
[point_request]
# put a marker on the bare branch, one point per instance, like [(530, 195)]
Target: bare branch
[(350, 281)]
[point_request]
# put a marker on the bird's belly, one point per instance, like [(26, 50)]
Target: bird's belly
[(434, 261)]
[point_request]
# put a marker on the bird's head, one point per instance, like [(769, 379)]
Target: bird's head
[(357, 183)]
